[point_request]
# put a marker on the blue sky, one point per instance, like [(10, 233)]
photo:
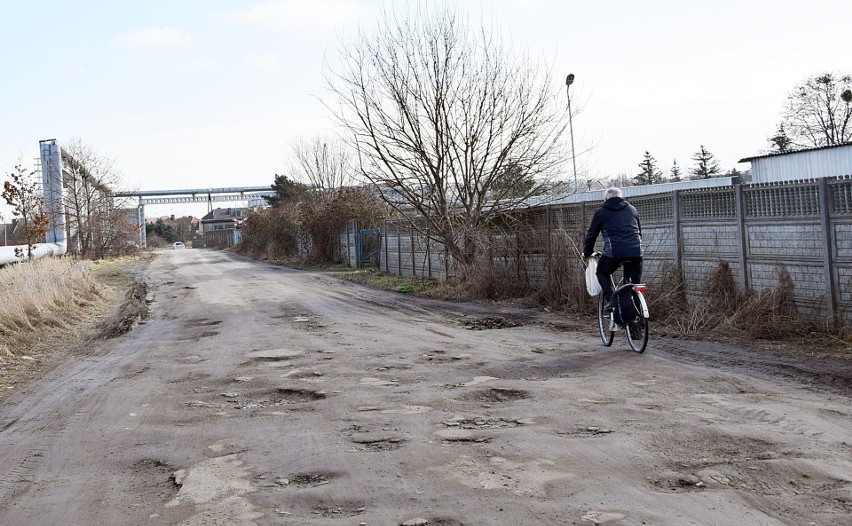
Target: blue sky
[(211, 93)]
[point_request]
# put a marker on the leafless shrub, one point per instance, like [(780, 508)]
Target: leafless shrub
[(323, 216), (271, 232), (722, 292), (723, 309), (667, 300), (769, 314), (501, 272), (565, 282)]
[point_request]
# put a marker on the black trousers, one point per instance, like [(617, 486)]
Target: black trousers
[(607, 265)]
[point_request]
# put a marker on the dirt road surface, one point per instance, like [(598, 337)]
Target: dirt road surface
[(262, 395)]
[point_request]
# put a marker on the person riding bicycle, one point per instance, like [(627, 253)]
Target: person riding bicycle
[(618, 221)]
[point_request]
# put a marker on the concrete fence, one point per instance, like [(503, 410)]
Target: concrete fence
[(802, 227)]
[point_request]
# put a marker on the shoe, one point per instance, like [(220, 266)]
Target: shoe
[(607, 306)]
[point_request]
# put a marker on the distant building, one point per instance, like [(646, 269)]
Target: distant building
[(220, 228), (223, 219), (813, 163)]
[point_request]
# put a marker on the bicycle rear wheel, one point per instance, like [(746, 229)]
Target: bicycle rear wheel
[(637, 333), (604, 320)]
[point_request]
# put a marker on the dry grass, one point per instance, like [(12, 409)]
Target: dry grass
[(724, 311), (43, 294)]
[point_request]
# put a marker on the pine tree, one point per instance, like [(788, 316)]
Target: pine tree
[(707, 166), (674, 173), (780, 142), (649, 173), (285, 189)]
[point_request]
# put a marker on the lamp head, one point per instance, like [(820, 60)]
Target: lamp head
[(570, 79)]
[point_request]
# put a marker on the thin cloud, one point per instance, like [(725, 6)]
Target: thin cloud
[(73, 70), (203, 64), (279, 15), (264, 62), (155, 38)]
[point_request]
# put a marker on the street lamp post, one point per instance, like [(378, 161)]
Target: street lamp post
[(568, 81)]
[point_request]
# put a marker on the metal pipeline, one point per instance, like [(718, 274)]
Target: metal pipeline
[(7, 254)]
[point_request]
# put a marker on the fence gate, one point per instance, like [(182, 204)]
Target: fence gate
[(368, 241)]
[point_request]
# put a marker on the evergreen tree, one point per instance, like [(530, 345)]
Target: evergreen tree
[(649, 173), (674, 173), (285, 189), (707, 166), (780, 142)]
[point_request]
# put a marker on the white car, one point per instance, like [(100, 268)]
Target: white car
[(178, 245)]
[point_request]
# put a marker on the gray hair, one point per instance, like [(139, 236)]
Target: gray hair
[(612, 191)]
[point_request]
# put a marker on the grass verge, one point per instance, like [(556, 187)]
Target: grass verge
[(53, 306)]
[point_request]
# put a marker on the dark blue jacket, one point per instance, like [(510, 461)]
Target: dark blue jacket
[(619, 223)]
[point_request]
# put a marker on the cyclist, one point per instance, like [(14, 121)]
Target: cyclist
[(618, 221)]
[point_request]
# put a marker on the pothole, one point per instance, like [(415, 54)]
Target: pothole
[(490, 322), (585, 432), (279, 397), (379, 445), (485, 423), (440, 357), (154, 475), (306, 480), (274, 355), (339, 511), (496, 395), (372, 443), (460, 435)]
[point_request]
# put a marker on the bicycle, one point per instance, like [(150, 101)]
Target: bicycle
[(637, 330)]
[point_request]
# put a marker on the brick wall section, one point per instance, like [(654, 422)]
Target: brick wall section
[(756, 229)]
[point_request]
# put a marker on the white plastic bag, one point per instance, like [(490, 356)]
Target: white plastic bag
[(592, 285)]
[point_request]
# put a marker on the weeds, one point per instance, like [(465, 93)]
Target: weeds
[(403, 284)]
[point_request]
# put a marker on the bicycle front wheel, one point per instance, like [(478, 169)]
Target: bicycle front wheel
[(604, 323), (637, 333)]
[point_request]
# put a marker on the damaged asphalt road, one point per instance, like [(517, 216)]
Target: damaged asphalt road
[(256, 394)]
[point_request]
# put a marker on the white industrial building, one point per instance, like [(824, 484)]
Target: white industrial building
[(814, 163)]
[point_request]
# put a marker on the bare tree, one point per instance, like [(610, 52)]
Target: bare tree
[(22, 193), (324, 163), (450, 125), (97, 225), (818, 113)]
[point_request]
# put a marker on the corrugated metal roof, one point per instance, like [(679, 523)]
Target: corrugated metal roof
[(630, 191), (778, 154)]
